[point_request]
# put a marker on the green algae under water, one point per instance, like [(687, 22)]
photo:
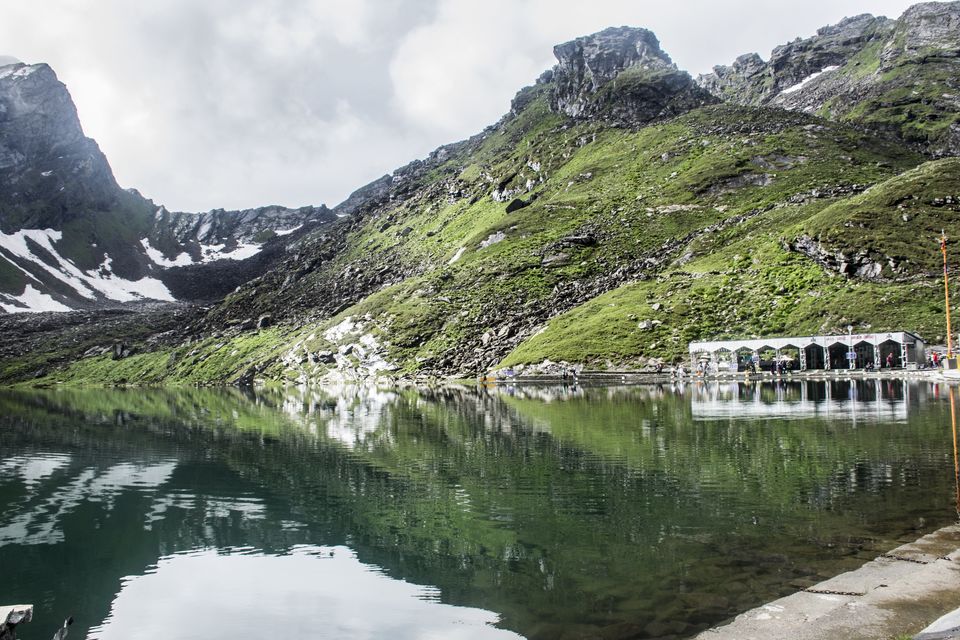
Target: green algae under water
[(559, 512)]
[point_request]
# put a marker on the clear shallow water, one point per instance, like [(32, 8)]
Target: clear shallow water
[(540, 512)]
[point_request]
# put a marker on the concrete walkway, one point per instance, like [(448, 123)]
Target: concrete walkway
[(944, 628), (895, 595)]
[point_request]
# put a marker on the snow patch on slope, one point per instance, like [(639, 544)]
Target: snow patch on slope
[(807, 80), (457, 255), (121, 290), (31, 300), (68, 273), (286, 232), (213, 252), (92, 284), (16, 71), (156, 256)]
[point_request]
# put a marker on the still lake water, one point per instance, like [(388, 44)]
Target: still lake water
[(536, 512)]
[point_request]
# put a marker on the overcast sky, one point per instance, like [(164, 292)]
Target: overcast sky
[(241, 103)]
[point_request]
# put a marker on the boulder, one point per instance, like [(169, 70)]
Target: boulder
[(516, 204), (555, 259)]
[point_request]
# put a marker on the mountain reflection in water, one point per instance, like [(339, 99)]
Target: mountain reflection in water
[(544, 511)]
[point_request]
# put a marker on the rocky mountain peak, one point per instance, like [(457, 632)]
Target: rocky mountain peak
[(586, 64), (621, 75), (48, 168), (852, 26), (30, 94), (929, 29), (750, 80), (892, 75)]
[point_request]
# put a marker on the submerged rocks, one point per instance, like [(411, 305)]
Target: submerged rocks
[(11, 616)]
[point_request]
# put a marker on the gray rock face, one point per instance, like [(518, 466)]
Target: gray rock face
[(48, 169), (231, 228), (895, 76), (588, 63), (52, 177), (929, 29), (622, 75), (860, 265), (751, 81)]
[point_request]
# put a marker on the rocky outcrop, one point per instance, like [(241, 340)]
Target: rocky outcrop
[(860, 264), (925, 31), (751, 81), (236, 227), (621, 75), (75, 239), (49, 171), (896, 76)]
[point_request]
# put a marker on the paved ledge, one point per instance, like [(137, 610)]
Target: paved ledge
[(896, 594)]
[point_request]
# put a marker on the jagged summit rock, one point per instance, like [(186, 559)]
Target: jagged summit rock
[(586, 64), (750, 80), (898, 76), (48, 168), (622, 75), (926, 30)]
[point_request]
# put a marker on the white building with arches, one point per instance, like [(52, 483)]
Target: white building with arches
[(898, 349)]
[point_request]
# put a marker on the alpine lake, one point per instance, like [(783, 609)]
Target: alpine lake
[(459, 512)]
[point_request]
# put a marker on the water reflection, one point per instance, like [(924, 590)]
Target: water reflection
[(549, 511), (39, 512), (870, 400), (310, 592), (956, 456)]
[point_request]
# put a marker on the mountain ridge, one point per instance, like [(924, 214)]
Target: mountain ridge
[(73, 238), (618, 211), (860, 71)]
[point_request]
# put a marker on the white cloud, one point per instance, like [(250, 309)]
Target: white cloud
[(239, 103)]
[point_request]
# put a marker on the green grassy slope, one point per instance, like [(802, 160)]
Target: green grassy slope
[(699, 214), (646, 199), (896, 222)]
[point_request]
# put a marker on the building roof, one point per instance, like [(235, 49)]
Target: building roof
[(800, 342)]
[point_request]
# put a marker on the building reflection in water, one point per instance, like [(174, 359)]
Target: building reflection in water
[(870, 400)]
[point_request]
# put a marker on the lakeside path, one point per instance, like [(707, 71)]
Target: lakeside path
[(897, 594)]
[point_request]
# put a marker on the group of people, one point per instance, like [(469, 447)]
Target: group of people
[(779, 366)]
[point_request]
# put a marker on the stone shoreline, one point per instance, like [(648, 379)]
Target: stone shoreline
[(897, 594)]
